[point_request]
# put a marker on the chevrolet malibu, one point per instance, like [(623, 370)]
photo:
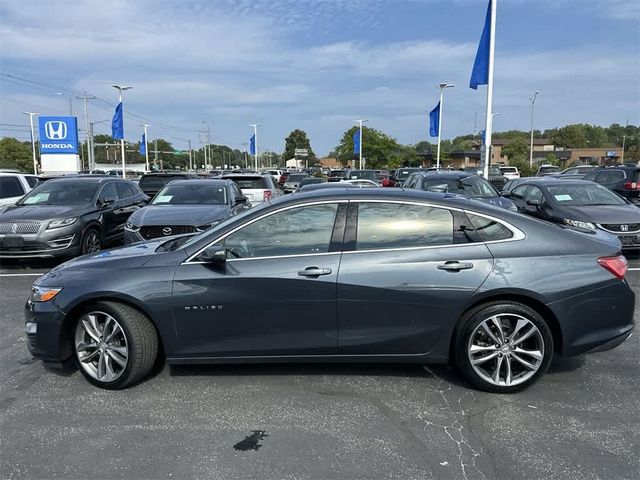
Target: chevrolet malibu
[(370, 275)]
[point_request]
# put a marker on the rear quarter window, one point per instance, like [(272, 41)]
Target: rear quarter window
[(488, 229)]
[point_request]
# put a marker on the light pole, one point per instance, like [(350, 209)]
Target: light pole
[(70, 104), (255, 138), (84, 99), (360, 162), (442, 86), (624, 138), (146, 145), (533, 102), (33, 141), (120, 89), (92, 155)]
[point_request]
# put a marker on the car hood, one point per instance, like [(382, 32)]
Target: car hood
[(179, 215), (41, 212), (130, 257), (607, 214), (501, 202)]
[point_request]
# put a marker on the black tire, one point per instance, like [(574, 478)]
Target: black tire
[(141, 339), (508, 313), (91, 238)]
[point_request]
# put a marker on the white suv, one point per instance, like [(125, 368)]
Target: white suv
[(257, 187), (13, 186), (510, 172)]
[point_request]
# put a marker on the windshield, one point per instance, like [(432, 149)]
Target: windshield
[(471, 187), (156, 182), (549, 169), (587, 194), (508, 169), (191, 194), (61, 193), (495, 171), (403, 174), (337, 173), (366, 174)]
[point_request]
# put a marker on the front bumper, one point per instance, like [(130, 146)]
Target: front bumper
[(35, 246), (43, 326)]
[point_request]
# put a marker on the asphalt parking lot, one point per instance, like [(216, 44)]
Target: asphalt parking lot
[(582, 420)]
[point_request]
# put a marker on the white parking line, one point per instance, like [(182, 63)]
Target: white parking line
[(633, 269), (21, 274)]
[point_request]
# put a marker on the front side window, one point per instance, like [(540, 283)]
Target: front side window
[(298, 231), (534, 193), (394, 225), (518, 192), (471, 187), (124, 190)]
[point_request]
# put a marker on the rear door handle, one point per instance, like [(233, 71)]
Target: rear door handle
[(455, 266), (314, 272)]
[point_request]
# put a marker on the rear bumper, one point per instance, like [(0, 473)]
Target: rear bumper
[(596, 320)]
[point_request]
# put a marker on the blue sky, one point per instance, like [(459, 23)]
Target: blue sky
[(317, 65)]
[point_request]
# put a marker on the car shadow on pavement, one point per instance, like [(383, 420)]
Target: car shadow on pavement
[(565, 364), (20, 264)]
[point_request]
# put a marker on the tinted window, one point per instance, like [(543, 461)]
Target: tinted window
[(393, 225), (124, 190), (10, 187), (298, 231), (610, 176), (109, 190), (365, 174), (32, 180), (518, 192), (61, 193), (472, 187), (250, 183), (191, 194), (156, 182), (534, 193), (584, 194), (489, 230)]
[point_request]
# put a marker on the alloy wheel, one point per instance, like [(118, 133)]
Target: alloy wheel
[(506, 349), (101, 346), (92, 242)]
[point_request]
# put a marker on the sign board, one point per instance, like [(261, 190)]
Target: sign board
[(58, 135), (59, 163), (611, 153), (301, 152)]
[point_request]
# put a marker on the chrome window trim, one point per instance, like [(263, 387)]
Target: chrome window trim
[(517, 233), (189, 261)]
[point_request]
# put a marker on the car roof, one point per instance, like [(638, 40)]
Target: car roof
[(244, 175), (86, 179), (200, 181), (169, 174), (556, 181), (445, 174)]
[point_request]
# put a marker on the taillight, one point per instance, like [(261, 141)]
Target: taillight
[(615, 265), (266, 195), (631, 186)]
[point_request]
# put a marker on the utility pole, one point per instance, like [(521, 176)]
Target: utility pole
[(533, 102), (33, 141), (155, 154), (190, 157), (90, 157)]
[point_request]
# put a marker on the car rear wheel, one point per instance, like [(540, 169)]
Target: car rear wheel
[(91, 241), (503, 347), (115, 345)]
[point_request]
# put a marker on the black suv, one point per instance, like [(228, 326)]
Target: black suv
[(68, 216), (622, 179), (152, 183)]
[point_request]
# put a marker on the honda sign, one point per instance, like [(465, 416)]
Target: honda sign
[(58, 135)]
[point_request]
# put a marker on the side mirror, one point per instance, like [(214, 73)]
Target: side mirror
[(107, 200), (533, 203), (506, 194), (240, 200), (213, 254)]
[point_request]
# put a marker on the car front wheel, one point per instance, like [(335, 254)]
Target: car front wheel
[(91, 241), (503, 347), (115, 345)]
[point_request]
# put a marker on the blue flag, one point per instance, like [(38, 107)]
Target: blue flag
[(143, 146), (434, 121), (480, 72), (117, 125), (356, 142), (252, 145), (482, 135)]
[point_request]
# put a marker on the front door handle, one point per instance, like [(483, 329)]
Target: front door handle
[(314, 272), (455, 266)]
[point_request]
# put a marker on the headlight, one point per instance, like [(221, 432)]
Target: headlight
[(579, 224), (43, 294), (61, 222), (202, 228), (131, 226)]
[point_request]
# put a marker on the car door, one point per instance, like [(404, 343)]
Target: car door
[(276, 293), (517, 197), (110, 219), (406, 270)]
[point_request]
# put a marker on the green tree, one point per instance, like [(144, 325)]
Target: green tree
[(518, 149), (378, 149), (570, 136), (15, 154), (297, 139)]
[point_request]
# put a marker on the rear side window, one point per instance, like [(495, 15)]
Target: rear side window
[(10, 187), (393, 225), (489, 230), (124, 190), (32, 180)]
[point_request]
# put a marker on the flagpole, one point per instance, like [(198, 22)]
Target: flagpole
[(442, 86), (146, 145), (121, 88), (489, 116), (255, 133), (360, 162)]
